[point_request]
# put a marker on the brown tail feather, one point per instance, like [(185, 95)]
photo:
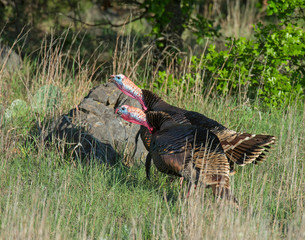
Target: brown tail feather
[(247, 148)]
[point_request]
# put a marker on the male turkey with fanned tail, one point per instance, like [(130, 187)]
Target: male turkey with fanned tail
[(240, 148), (187, 151)]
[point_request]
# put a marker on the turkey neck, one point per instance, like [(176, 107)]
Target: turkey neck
[(154, 103), (160, 120)]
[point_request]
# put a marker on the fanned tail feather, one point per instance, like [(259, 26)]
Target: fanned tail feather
[(247, 148)]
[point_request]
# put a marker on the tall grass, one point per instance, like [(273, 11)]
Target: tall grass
[(45, 196), (236, 18)]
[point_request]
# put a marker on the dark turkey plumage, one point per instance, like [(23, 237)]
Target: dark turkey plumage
[(240, 148), (189, 151)]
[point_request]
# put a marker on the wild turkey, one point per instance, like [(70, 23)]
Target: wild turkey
[(240, 148), (187, 151)]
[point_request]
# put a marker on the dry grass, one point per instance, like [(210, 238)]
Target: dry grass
[(235, 17)]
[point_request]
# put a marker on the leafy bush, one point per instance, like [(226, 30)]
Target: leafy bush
[(271, 66)]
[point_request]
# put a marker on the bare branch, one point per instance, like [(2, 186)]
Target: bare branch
[(107, 22)]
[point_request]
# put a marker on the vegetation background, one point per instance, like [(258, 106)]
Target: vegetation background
[(240, 62)]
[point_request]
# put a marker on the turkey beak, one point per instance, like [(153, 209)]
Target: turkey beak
[(118, 111), (111, 79)]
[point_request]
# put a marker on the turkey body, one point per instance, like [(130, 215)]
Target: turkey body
[(240, 148), (189, 151)]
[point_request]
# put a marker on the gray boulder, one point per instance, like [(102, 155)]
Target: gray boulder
[(94, 130), (9, 58)]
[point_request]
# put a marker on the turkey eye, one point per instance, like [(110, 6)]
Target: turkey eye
[(119, 77), (123, 108)]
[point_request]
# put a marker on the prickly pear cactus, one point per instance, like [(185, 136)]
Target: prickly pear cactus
[(46, 99), (18, 108)]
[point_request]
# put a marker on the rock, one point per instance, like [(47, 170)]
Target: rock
[(10, 58), (94, 130)]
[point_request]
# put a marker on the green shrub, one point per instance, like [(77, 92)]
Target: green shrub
[(270, 67)]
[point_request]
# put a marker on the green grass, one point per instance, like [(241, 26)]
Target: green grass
[(45, 194)]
